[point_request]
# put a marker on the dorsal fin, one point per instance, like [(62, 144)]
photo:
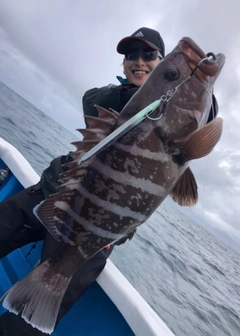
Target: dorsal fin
[(105, 119), (85, 145), (185, 191), (99, 128), (97, 134), (111, 115)]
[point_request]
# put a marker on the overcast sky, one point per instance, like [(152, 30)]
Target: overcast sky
[(52, 51)]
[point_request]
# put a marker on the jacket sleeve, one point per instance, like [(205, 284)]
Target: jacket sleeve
[(93, 97), (88, 101)]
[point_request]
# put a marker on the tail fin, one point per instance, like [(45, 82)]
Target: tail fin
[(38, 297)]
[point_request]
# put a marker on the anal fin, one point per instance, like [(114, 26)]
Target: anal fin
[(185, 191)]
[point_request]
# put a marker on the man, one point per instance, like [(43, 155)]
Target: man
[(143, 50)]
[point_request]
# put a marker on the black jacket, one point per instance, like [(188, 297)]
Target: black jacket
[(111, 96)]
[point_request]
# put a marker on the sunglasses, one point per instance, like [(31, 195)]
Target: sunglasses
[(146, 55)]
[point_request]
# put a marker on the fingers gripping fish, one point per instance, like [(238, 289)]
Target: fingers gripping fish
[(106, 196)]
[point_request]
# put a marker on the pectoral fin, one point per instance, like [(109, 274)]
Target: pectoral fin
[(203, 141), (185, 191)]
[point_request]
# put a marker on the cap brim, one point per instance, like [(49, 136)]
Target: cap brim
[(124, 44)]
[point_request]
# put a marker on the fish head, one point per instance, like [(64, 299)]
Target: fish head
[(193, 75), (184, 81)]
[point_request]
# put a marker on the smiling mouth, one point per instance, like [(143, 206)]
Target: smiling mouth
[(139, 72)]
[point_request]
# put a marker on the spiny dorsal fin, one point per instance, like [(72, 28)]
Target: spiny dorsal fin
[(78, 154), (105, 122), (99, 128), (111, 116), (202, 142), (85, 145), (185, 191), (92, 134), (95, 122), (75, 171)]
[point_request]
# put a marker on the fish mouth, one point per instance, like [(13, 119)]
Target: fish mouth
[(194, 55)]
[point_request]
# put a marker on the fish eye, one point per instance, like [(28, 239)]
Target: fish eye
[(173, 73)]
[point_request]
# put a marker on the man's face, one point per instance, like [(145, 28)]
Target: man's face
[(138, 71)]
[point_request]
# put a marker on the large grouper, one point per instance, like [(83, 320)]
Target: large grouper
[(116, 190)]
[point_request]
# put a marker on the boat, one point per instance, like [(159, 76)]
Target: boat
[(111, 306)]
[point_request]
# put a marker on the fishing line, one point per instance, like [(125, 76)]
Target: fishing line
[(210, 54), (220, 315), (34, 245), (202, 215), (171, 93)]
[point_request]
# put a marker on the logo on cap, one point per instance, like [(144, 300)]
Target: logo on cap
[(139, 34)]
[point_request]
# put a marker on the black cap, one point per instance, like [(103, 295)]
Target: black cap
[(149, 36)]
